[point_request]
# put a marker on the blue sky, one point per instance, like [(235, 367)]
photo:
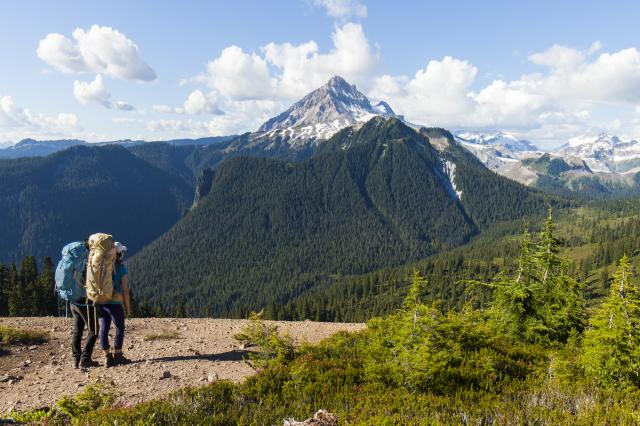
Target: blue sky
[(157, 70)]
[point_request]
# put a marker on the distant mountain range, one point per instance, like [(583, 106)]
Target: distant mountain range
[(589, 165), (41, 148)]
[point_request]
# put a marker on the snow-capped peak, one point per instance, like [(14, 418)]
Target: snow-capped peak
[(325, 111), (496, 139), (603, 153)]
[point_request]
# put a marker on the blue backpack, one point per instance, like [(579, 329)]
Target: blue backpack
[(69, 280)]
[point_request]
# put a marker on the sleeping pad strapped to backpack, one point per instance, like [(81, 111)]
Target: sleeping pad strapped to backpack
[(102, 257)]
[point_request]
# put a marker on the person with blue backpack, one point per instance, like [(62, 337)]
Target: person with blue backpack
[(70, 278), (113, 311)]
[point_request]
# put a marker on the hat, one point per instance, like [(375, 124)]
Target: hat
[(120, 247)]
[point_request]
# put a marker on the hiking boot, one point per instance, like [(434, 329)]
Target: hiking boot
[(120, 359), (88, 363), (109, 361)]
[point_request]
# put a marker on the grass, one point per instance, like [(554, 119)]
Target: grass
[(13, 336), (163, 335)]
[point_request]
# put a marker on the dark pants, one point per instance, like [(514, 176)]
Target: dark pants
[(82, 316), (108, 314)]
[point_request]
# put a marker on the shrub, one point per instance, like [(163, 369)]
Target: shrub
[(163, 335), (271, 346), (12, 336)]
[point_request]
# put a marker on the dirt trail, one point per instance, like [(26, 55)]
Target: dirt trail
[(203, 351)]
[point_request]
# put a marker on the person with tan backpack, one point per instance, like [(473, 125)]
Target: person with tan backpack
[(112, 310)]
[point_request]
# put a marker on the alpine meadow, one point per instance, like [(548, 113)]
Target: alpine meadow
[(320, 212)]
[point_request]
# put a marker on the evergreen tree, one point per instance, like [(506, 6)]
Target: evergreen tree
[(541, 301), (28, 283), (612, 343), (47, 302), (4, 290), (16, 292), (561, 307), (180, 309)]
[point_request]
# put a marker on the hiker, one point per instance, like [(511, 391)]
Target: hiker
[(69, 284), (113, 311)]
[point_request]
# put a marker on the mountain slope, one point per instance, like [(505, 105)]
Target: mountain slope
[(50, 201), (267, 230)]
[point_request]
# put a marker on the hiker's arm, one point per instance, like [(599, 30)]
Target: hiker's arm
[(125, 292)]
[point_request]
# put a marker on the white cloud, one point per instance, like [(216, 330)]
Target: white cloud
[(188, 127), (127, 121), (124, 106), (596, 46), (549, 105), (162, 109), (101, 50), (558, 58), (18, 123), (343, 9), (93, 91), (302, 68), (198, 103), (436, 94), (239, 75)]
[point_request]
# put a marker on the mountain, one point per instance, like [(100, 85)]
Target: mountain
[(35, 148), (50, 201), (323, 112), (499, 140), (604, 153), (599, 166), (266, 230)]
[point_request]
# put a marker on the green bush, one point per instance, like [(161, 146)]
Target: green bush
[(12, 336), (271, 347)]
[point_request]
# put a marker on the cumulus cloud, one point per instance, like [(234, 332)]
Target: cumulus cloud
[(549, 104), (18, 123), (102, 50), (94, 91), (302, 68), (286, 71), (250, 87), (239, 75), (198, 103), (343, 9)]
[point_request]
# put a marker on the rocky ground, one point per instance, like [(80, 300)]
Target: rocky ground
[(203, 350)]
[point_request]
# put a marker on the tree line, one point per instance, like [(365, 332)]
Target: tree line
[(25, 291)]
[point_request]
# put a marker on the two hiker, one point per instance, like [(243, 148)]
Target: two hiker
[(92, 277)]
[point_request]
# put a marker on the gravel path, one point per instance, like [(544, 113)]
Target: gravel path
[(203, 351)]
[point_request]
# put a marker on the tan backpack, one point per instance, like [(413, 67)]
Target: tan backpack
[(102, 257)]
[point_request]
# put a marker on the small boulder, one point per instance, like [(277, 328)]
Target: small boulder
[(165, 375), (320, 418)]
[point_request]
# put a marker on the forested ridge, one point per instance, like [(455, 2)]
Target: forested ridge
[(594, 237), (269, 230), (50, 201)]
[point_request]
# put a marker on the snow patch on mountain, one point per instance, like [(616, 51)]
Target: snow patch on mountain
[(449, 170), (322, 113)]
